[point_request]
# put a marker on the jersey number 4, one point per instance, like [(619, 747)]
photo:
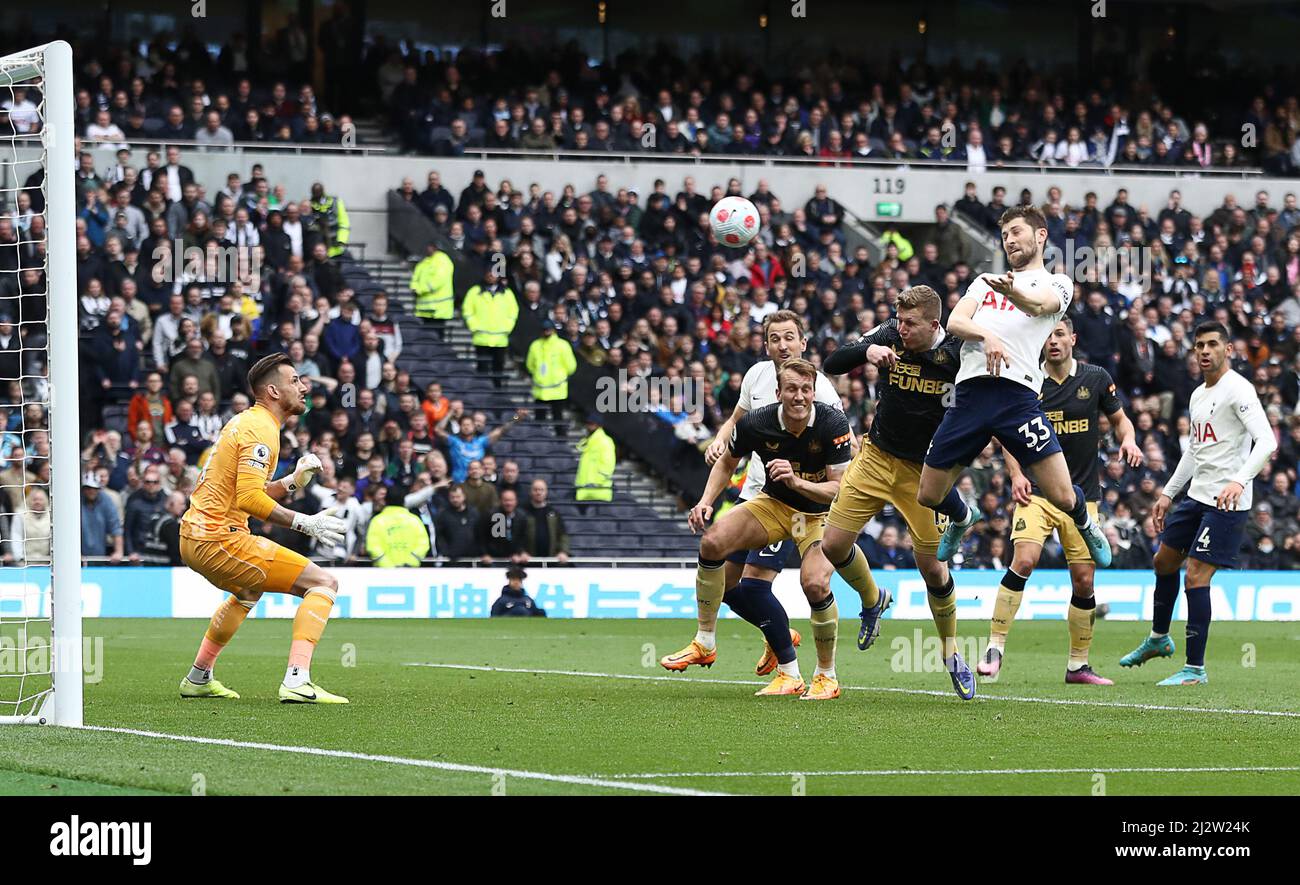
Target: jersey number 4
[(1036, 433)]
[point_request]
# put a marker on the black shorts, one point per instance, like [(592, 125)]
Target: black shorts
[(1205, 532), (773, 556), (992, 408)]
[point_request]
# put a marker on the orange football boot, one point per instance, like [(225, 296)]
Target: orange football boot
[(692, 654)]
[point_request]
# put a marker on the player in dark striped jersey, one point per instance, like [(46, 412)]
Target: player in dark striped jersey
[(918, 364), (1075, 395), (805, 446)]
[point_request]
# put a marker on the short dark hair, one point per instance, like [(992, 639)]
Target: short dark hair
[(1212, 326), (1032, 215), (1069, 323), (264, 369)]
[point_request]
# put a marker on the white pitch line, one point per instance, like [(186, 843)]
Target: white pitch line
[(686, 680), (580, 780), (894, 772)]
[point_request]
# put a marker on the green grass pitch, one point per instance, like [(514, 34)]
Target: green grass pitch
[(448, 729)]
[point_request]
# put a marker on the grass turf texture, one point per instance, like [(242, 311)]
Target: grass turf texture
[(607, 728)]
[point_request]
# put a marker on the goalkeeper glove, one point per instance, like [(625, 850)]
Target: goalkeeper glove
[(307, 467), (325, 526)]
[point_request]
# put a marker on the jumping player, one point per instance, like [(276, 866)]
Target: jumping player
[(216, 543), (748, 574), (1004, 321), (1075, 395), (918, 362), (805, 447), (1230, 444)]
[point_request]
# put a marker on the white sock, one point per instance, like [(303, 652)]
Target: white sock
[(791, 669), (296, 676), (200, 677), (708, 639), (822, 671), (1155, 635), (1074, 666)]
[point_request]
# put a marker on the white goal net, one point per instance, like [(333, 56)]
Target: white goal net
[(40, 569)]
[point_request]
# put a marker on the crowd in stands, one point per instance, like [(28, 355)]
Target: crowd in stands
[(846, 109), (639, 285), (176, 89), (628, 283), (165, 357)]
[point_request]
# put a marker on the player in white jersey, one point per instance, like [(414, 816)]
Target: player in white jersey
[(748, 574), (1230, 444), (1004, 321)]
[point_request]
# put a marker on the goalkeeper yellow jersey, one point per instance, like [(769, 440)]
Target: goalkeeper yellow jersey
[(232, 485)]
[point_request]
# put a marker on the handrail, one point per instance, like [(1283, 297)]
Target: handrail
[(34, 140), (866, 162)]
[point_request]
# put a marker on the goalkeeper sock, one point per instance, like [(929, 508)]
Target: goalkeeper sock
[(709, 588), (1166, 597), (857, 574), (221, 629), (768, 615), (1010, 592), (825, 618), (952, 506), (1081, 616), (943, 607), (308, 625)]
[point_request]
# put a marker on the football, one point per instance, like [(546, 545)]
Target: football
[(734, 221)]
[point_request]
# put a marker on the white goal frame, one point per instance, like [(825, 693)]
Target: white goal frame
[(62, 704)]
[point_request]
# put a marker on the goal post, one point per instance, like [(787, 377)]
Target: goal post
[(40, 579)]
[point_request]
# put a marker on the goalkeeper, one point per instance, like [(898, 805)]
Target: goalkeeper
[(216, 543)]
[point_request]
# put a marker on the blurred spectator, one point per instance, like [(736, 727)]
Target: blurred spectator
[(396, 537), (101, 524), (514, 601)]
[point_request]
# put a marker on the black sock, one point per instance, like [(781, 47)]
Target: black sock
[(736, 601), (1014, 581), (1166, 596), (952, 506), (941, 592), (767, 613), (1198, 624), (1080, 512)]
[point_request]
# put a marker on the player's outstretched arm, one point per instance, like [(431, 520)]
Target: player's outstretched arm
[(860, 352), (719, 476), (1034, 302), (718, 447)]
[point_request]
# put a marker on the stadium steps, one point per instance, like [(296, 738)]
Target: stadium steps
[(642, 520), (370, 132)]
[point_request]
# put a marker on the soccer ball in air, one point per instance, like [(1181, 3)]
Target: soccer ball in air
[(734, 221)]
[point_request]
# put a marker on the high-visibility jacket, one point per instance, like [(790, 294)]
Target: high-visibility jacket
[(396, 537), (905, 250), (551, 361), (595, 479), (431, 282), (332, 217), (490, 314)]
